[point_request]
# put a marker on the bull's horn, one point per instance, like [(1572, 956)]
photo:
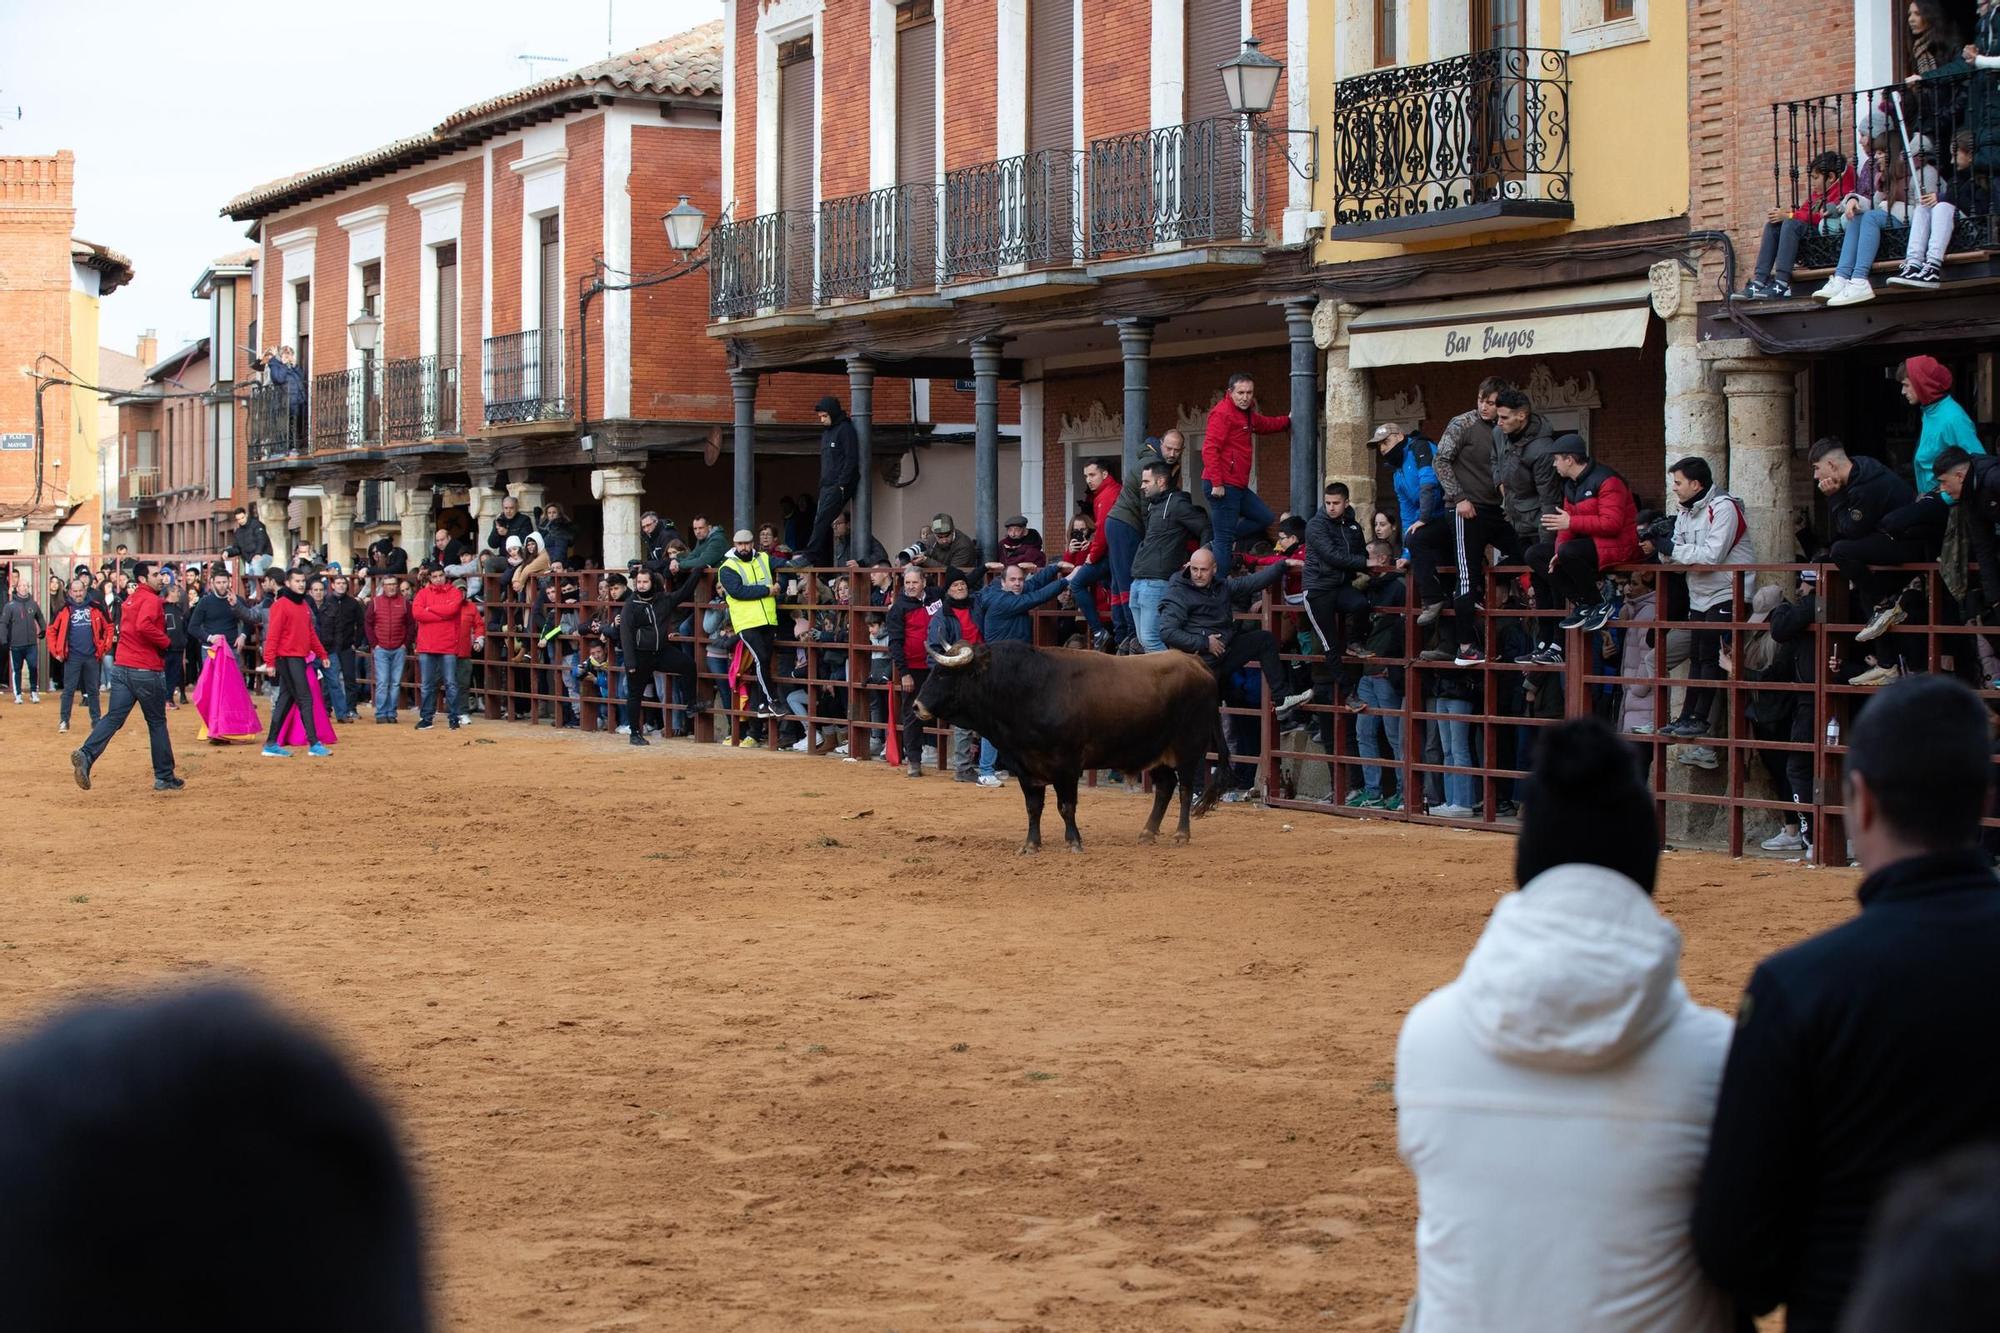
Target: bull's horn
[(956, 656)]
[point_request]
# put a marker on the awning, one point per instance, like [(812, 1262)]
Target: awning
[(1483, 328)]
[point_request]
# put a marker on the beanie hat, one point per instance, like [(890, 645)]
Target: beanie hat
[(1585, 805), (1928, 377), (952, 576), (1571, 444), (513, 543)]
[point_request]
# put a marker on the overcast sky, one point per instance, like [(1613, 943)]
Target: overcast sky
[(172, 109)]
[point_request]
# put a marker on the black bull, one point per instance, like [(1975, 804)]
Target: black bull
[(1052, 713)]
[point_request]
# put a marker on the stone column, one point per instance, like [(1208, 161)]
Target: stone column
[(527, 494), (1305, 421), (1695, 416), (861, 409), (482, 503), (986, 446), (413, 513), (743, 388), (623, 491), (336, 512), (1758, 391), (1135, 343), (1349, 405), (276, 514)]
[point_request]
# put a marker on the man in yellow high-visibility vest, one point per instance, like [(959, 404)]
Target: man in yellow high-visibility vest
[(752, 595)]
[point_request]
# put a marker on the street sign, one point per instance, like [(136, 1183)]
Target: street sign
[(22, 440)]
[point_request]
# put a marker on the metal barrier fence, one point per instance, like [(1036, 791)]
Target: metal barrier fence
[(543, 659)]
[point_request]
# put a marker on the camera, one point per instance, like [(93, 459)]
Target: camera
[(1660, 532), (912, 553)]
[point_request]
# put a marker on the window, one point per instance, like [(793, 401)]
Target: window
[(1051, 75), (222, 332), (1617, 9), (302, 321), (447, 300), (1386, 34), (1598, 25), (222, 429), (1214, 35)]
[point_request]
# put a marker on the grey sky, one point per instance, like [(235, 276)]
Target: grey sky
[(172, 109)]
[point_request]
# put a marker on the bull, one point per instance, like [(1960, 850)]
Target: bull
[(1051, 713)]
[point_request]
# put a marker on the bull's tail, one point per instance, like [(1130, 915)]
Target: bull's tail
[(1219, 742)]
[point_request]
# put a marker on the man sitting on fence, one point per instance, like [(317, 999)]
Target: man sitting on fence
[(1596, 528), (1711, 529), (1198, 616), (1864, 500)]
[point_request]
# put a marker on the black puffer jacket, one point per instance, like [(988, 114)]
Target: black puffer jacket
[(1188, 615), (1871, 494), (1173, 522), (1336, 550)]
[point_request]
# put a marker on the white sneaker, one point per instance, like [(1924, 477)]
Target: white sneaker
[(1451, 811), (17, 699), (1856, 291), (1784, 840), (992, 780), (465, 719), (1880, 675), (1294, 700), (1834, 287), (800, 746), (1697, 756), (625, 731), (35, 697), (841, 749)]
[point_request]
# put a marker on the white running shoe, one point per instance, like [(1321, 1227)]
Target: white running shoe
[(1784, 840), (35, 696), (992, 780), (1856, 291), (1834, 287)]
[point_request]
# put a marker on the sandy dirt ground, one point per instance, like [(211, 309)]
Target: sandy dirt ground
[(696, 1038)]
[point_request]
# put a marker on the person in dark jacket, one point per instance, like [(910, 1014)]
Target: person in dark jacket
[(282, 365), (1172, 522), (1973, 483), (346, 622), (1788, 716), (1527, 470), (330, 622), (839, 474), (844, 552), (510, 523), (1198, 616), (174, 614), (654, 535), (385, 557), (945, 547), (907, 626), (1019, 545), (23, 626), (1470, 467), (1336, 551), (250, 543), (558, 534), (1866, 1050), (1864, 500), (1005, 609), (645, 626)]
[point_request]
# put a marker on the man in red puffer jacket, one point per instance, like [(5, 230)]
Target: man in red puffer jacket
[(1228, 445), (436, 610), (138, 679), (1597, 528)]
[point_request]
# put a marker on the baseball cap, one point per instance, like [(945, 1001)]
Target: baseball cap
[(1384, 431), (943, 523), (1764, 603)]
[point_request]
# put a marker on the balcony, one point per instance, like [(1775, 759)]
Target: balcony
[(1194, 184), (421, 396), (1474, 144), (1016, 215), (275, 430), (761, 265), (523, 378), (142, 487), (347, 408), (877, 244), (1865, 136)]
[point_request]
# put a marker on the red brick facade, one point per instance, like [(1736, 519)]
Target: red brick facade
[(36, 213)]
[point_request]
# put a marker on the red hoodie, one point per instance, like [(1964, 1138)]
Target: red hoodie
[(469, 621), (142, 631), (1101, 501), (290, 632), (1230, 440), (436, 610)]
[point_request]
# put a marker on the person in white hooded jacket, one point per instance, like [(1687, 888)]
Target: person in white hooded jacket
[(1554, 1101), (1711, 529)]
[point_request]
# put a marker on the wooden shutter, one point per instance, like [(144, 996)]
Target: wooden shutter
[(1214, 34), (795, 126), (447, 300), (551, 276), (302, 322), (916, 93), (1051, 75)]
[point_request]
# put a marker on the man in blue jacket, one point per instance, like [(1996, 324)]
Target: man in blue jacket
[(1005, 611), (282, 365), (1412, 467)]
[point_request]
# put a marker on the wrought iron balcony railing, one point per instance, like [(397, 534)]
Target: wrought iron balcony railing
[(763, 263), (1018, 212), (885, 240), (421, 394), (1890, 147), (1189, 184), (277, 429), (1418, 141), (347, 408), (523, 378)]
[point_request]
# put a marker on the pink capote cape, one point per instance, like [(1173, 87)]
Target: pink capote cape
[(222, 699), (294, 732)]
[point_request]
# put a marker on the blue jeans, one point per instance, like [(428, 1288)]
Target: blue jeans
[(1239, 513), (1861, 240), (388, 680), (333, 687), (987, 757), (1147, 594), (1373, 729), (147, 690), (438, 674), (1460, 788), (1088, 576)]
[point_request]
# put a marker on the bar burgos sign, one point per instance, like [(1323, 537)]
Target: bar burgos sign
[(1572, 319), (1492, 340)]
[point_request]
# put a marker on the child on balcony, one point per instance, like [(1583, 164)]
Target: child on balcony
[(1935, 218), (1879, 203), (1831, 180)]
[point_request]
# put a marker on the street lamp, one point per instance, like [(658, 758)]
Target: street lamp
[(365, 329), (1251, 79), (684, 227)]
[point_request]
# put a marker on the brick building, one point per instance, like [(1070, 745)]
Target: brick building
[(464, 305), (50, 286), (1046, 201), (1832, 79)]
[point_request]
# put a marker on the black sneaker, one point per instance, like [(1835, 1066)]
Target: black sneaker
[(1753, 290), (424, 724), (638, 740), (1550, 654), (1532, 657), (453, 724), (1575, 619), (168, 784), (1597, 618), (1777, 289), (79, 763)]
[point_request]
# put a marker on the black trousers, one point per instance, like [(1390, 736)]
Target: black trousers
[(1250, 645), (80, 672), (646, 663), (1327, 611), (1705, 663), (759, 678), (293, 694), (1465, 540), (1574, 578), (819, 546), (1857, 557), (913, 726)]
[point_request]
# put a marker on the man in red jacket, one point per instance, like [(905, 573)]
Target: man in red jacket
[(390, 631), (138, 676), (436, 611), (1597, 528), (290, 644), (1227, 448)]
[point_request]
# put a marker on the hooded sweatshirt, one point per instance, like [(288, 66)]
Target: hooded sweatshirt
[(1945, 422), (1554, 1103)]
